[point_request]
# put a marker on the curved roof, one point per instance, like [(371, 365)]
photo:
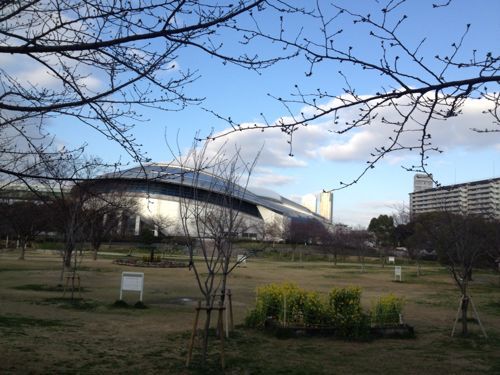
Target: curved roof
[(172, 174)]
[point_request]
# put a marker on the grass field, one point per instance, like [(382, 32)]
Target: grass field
[(41, 332)]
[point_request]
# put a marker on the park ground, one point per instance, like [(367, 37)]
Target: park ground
[(41, 332)]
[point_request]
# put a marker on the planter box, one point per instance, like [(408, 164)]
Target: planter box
[(393, 331), (141, 263)]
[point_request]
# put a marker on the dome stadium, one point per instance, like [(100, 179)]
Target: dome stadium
[(161, 190)]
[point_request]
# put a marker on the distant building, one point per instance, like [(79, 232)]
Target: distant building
[(471, 198), (21, 193), (326, 205), (309, 201), (160, 189), (422, 182)]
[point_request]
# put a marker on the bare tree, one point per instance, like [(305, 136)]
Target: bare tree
[(273, 231), (158, 226), (23, 220), (96, 62), (345, 240), (421, 80), (401, 214), (101, 61), (359, 239), (462, 242), (214, 213), (334, 241), (64, 196), (102, 213), (304, 231)]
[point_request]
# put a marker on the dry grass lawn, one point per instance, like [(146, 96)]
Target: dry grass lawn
[(43, 333)]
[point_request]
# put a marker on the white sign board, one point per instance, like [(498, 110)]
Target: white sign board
[(392, 260), (242, 259), (132, 282), (398, 273)]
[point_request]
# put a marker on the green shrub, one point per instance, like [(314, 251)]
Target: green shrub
[(269, 304), (147, 259), (342, 310), (346, 313), (386, 310), (302, 307), (315, 310)]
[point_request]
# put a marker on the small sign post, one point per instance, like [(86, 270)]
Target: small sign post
[(242, 259), (398, 273), (392, 260), (132, 282)]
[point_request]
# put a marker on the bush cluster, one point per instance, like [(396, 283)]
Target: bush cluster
[(387, 310), (147, 259), (341, 310), (347, 315)]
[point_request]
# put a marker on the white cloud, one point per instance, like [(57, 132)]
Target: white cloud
[(29, 71), (39, 76), (360, 213), (356, 147), (318, 142), (273, 143), (454, 133), (90, 83)]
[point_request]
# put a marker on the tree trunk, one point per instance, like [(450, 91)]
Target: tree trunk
[(67, 258), (464, 307), (69, 247), (206, 328), (61, 275), (23, 250)]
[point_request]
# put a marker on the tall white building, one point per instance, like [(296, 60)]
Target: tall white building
[(422, 181), (309, 201), (326, 205), (471, 198)]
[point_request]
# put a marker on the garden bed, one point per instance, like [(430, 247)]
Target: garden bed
[(157, 264), (391, 331), (396, 331)]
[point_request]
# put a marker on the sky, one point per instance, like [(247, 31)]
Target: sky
[(322, 159)]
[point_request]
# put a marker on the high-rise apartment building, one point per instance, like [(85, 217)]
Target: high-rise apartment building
[(471, 198), (422, 182), (326, 205)]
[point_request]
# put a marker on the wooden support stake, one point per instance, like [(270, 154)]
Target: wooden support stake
[(231, 318), (221, 331), (477, 317), (284, 310), (193, 334), (226, 324), (72, 277), (456, 317), (475, 314)]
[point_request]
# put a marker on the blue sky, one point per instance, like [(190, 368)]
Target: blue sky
[(321, 159)]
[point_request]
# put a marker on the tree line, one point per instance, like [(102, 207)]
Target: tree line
[(460, 242), (72, 214)]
